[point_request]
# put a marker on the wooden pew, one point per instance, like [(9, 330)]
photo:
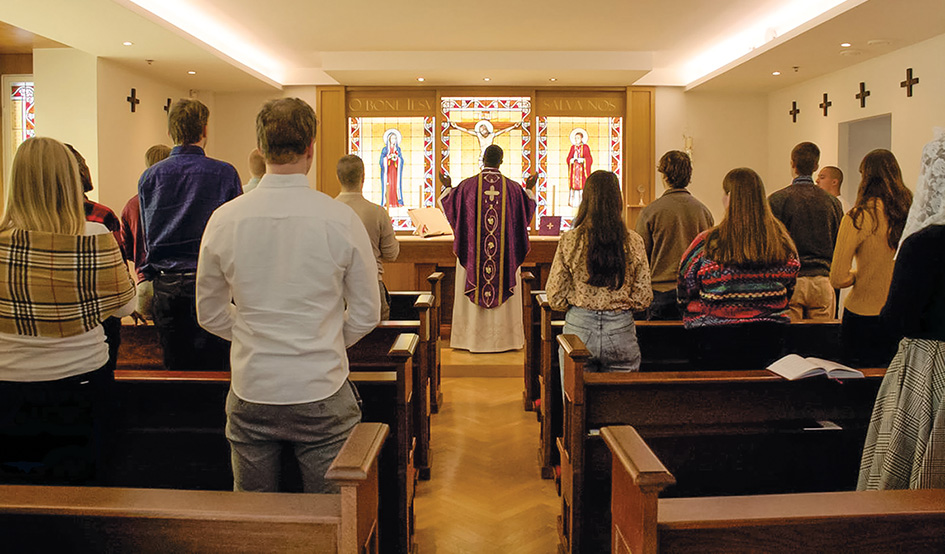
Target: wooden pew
[(664, 346), (719, 432), (164, 413), (870, 521), (402, 307), (531, 323), (94, 519)]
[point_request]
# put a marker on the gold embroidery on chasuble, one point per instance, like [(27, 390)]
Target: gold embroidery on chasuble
[(490, 236)]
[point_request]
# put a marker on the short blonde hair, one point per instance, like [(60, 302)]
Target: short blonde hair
[(156, 153), (45, 190)]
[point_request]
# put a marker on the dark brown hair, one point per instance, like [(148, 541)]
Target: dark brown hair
[(187, 120), (677, 167), (492, 156), (749, 234), (350, 170), (881, 179), (84, 174), (599, 218), (285, 128), (805, 157)]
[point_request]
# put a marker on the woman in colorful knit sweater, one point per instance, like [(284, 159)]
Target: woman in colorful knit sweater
[(870, 234), (741, 272)]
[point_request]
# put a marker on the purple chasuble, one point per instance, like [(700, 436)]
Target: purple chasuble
[(489, 215)]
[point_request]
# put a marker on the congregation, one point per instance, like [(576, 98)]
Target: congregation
[(272, 281)]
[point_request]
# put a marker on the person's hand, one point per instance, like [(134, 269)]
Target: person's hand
[(445, 180), (138, 318), (531, 181)]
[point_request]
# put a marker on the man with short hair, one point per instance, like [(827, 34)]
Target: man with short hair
[(299, 269), (668, 226), (257, 168), (177, 197), (812, 218), (489, 214), (350, 171), (829, 179)]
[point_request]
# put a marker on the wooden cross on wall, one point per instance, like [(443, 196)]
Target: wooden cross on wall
[(825, 104), (133, 100), (167, 106), (794, 111), (862, 95), (909, 82)]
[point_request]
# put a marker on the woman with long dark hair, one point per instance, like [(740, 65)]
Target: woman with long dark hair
[(869, 234), (600, 276), (63, 277), (905, 441), (740, 272)]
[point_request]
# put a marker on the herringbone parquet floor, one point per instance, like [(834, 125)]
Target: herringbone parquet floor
[(486, 494)]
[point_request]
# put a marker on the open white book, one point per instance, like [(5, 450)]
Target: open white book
[(429, 222), (793, 367)]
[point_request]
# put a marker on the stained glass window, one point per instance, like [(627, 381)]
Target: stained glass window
[(22, 121), (569, 149), (471, 124), (398, 162)]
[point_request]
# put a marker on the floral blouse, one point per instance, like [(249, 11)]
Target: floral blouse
[(567, 283)]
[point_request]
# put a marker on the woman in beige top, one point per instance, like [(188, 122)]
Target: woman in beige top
[(600, 276), (870, 233)]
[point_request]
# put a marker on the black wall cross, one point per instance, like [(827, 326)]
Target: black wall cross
[(167, 107), (909, 82), (825, 104), (862, 95), (133, 100), (794, 111)]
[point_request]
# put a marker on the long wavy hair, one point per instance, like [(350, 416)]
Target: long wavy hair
[(45, 189), (599, 218), (749, 234), (881, 179)]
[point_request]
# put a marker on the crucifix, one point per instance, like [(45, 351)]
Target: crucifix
[(133, 100), (825, 104), (909, 82), (167, 106), (862, 95), (794, 111)]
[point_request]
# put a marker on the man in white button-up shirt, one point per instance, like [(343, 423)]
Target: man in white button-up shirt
[(288, 275)]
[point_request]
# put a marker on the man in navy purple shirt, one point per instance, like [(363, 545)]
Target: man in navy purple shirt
[(177, 196)]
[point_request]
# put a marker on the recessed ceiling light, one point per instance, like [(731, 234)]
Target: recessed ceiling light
[(127, 43), (191, 72), (845, 44), (486, 79), (552, 79), (775, 73), (421, 79)]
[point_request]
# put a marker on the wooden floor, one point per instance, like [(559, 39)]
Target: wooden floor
[(486, 494)]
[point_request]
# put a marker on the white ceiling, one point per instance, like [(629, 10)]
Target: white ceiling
[(448, 42)]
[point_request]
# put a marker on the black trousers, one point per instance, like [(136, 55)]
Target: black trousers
[(53, 432), (864, 342), (187, 346)]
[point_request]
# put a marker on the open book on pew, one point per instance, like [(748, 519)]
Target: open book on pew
[(793, 367)]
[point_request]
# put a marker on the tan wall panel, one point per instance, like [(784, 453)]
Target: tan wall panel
[(331, 142), (640, 155)]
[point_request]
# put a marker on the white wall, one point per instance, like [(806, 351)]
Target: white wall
[(912, 118), (124, 137), (66, 96), (727, 131)]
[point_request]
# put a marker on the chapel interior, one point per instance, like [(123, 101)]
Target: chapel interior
[(421, 88)]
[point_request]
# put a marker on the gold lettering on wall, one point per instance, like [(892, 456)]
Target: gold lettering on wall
[(411, 106)]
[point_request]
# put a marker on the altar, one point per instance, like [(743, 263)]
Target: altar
[(419, 257)]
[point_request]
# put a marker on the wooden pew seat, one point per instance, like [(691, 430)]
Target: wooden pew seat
[(869, 521), (96, 519)]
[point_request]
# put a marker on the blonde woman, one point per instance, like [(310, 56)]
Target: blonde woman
[(62, 277)]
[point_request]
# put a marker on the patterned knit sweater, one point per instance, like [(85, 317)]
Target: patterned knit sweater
[(712, 294)]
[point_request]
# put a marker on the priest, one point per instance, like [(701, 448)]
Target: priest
[(489, 214)]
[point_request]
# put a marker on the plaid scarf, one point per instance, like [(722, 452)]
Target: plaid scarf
[(59, 285)]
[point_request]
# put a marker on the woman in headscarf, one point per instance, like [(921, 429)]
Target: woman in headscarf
[(905, 442)]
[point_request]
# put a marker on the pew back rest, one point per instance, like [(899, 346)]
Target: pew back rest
[(96, 519)]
